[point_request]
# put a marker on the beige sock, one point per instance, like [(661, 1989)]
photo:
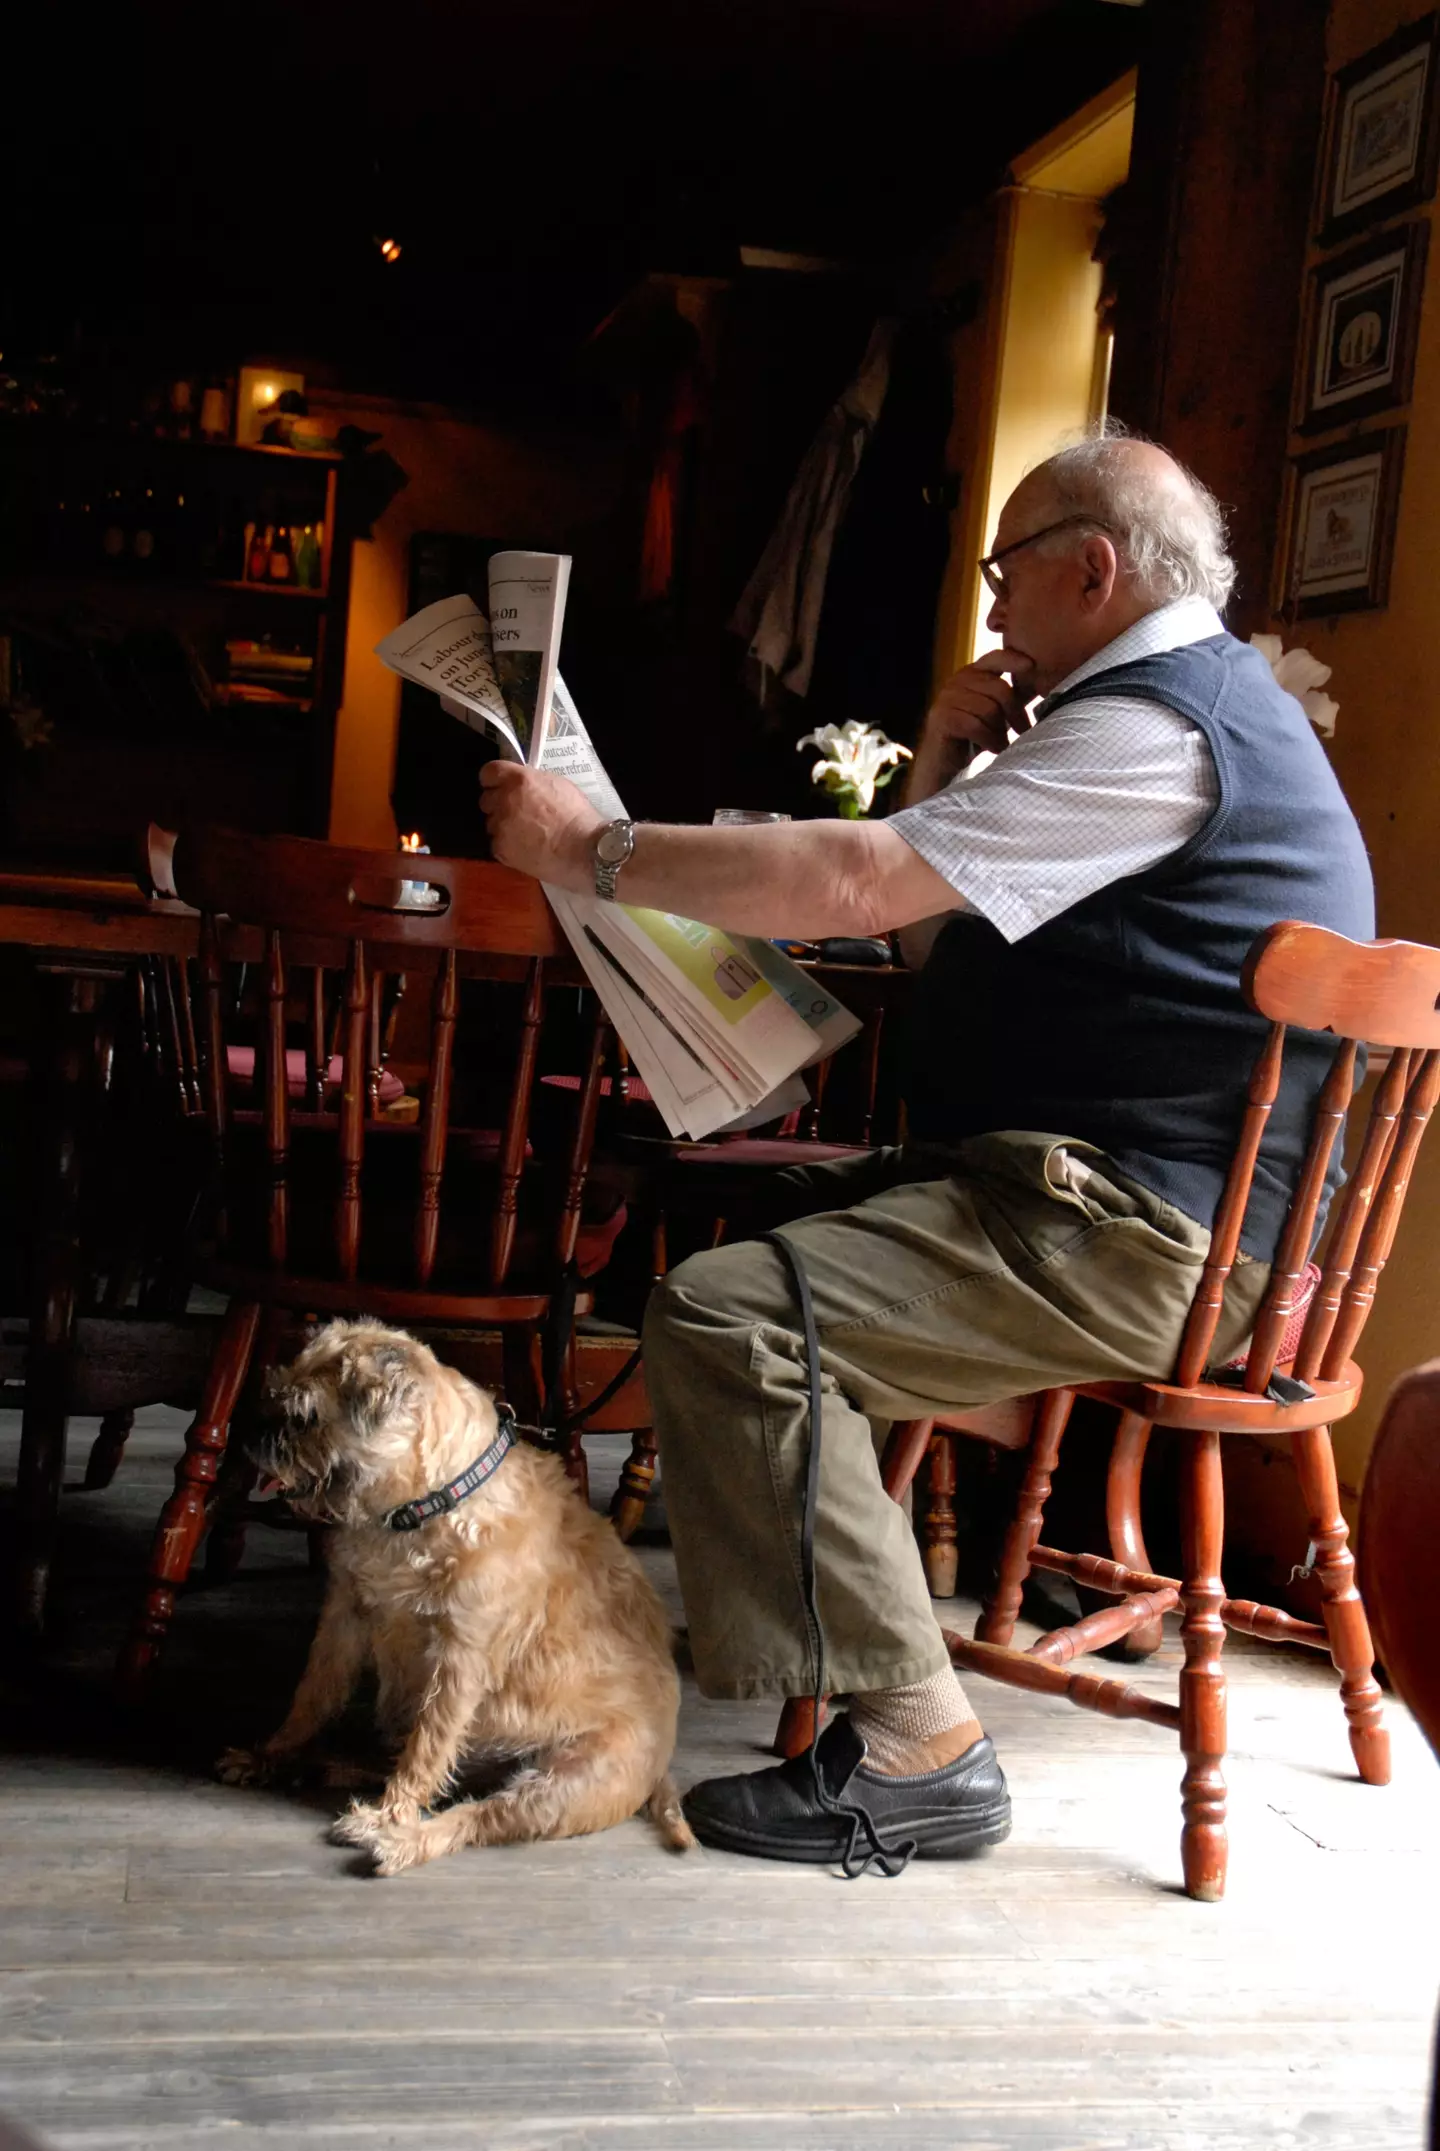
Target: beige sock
[(911, 1731)]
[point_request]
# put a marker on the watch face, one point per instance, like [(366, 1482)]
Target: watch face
[(613, 846)]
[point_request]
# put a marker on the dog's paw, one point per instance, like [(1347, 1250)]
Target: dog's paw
[(358, 1825), (395, 1839), (244, 1766), (397, 1845)]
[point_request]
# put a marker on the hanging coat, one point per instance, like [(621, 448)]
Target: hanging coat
[(779, 613)]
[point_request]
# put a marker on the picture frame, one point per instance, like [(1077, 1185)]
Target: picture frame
[(1360, 326), (1381, 140), (1341, 509)]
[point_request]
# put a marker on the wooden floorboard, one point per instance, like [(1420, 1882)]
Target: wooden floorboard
[(185, 1966)]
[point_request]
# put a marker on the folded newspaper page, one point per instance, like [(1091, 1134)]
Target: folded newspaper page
[(501, 669), (718, 1025), (527, 611)]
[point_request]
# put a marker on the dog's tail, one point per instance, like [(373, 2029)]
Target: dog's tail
[(664, 1809)]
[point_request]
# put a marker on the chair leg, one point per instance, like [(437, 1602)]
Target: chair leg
[(1204, 1848), (228, 1511), (1002, 1609), (182, 1520), (225, 1540), (796, 1729), (107, 1450), (636, 1479), (1343, 1609), (905, 1450), (1122, 1513), (577, 1466), (938, 1547)]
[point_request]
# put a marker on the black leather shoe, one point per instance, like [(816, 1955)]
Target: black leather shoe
[(778, 1814)]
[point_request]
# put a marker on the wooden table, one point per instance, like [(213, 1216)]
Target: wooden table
[(83, 931)]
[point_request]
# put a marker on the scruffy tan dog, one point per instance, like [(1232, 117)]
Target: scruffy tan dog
[(511, 1623)]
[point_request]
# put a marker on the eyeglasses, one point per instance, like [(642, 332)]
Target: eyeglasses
[(990, 565)]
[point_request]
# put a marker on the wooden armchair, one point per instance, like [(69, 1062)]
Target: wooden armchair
[(1386, 992), (317, 1210)]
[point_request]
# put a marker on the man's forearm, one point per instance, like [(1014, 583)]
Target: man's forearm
[(802, 878), (806, 878), (809, 879)]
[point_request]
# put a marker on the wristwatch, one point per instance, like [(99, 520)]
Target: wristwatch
[(613, 847)]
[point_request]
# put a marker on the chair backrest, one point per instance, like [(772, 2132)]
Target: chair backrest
[(326, 911), (1386, 993), (849, 1103)]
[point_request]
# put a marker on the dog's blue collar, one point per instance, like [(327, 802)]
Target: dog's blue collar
[(412, 1514)]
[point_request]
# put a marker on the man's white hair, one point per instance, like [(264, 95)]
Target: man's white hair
[(1169, 531)]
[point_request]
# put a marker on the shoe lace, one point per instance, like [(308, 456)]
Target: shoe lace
[(866, 1851)]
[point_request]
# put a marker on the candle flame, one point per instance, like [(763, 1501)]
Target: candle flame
[(410, 842)]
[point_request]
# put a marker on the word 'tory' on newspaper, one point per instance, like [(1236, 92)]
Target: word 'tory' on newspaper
[(718, 1025)]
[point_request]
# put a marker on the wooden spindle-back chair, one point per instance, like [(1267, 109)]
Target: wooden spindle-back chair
[(287, 1246), (1383, 992), (721, 1189)]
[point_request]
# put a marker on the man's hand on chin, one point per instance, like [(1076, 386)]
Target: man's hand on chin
[(539, 824)]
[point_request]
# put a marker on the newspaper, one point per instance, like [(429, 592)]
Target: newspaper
[(718, 1025), (500, 670)]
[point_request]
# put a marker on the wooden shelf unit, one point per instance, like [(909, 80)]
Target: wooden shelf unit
[(68, 607)]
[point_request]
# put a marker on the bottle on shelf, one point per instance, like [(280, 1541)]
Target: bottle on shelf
[(142, 534), (282, 558), (307, 559), (113, 520), (262, 538), (214, 410)]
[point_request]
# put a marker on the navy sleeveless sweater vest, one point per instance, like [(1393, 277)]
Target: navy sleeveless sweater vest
[(1121, 1022)]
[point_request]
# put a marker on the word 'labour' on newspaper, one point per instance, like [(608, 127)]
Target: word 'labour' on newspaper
[(718, 1025)]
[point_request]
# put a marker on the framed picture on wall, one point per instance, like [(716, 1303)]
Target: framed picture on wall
[(1340, 525), (1381, 136), (1362, 312)]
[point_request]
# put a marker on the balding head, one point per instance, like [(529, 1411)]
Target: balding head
[(1087, 544), (1168, 530)]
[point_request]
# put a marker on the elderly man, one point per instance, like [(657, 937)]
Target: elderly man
[(1081, 1047)]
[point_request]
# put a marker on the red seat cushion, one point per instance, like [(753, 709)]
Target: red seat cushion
[(241, 1063), (1290, 1341), (636, 1088), (761, 1150)]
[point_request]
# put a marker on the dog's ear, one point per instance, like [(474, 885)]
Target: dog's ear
[(286, 1399), (375, 1385)]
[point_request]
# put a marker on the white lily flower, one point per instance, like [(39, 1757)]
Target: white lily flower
[(853, 757), (1301, 675)]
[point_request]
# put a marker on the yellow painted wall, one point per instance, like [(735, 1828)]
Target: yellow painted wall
[(542, 488), (1025, 369), (972, 255), (1047, 358)]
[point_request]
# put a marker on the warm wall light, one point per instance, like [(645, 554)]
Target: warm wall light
[(260, 389), (389, 249)]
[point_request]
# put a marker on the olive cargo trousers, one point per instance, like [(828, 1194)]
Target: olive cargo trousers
[(1014, 1262)]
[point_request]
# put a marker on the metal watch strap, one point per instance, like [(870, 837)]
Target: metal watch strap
[(607, 870)]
